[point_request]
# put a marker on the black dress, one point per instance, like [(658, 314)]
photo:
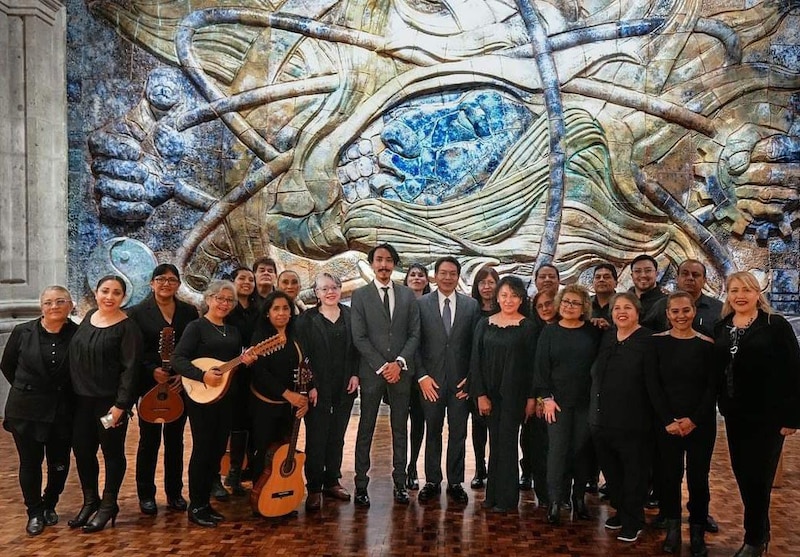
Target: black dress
[(210, 423), (759, 393), (39, 409), (151, 322), (105, 364), (685, 387), (502, 369)]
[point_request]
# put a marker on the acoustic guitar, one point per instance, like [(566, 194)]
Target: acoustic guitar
[(204, 394), (162, 405), (281, 488)]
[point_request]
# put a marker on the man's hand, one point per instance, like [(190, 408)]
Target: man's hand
[(461, 394), (391, 372), (484, 405), (428, 387)]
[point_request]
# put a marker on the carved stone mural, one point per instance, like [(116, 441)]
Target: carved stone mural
[(505, 132)]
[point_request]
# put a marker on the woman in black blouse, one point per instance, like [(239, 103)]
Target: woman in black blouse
[(39, 406), (683, 398), (324, 333), (564, 358), (759, 396), (211, 337), (272, 396), (621, 415), (484, 291), (159, 310), (501, 380), (104, 363)]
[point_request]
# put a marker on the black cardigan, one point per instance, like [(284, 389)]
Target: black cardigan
[(35, 392), (766, 372)]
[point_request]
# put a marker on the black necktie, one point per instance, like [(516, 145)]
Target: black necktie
[(447, 317), (386, 301)]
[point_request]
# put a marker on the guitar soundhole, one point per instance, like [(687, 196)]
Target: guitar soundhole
[(162, 396), (287, 469)]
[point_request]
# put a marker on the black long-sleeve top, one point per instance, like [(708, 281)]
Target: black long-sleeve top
[(620, 377), (106, 361), (151, 321), (331, 352), (245, 319), (648, 299), (685, 385), (765, 376), (502, 360), (705, 319), (203, 339), (274, 373), (564, 359), (36, 365)]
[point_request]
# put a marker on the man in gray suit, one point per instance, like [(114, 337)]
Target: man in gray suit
[(447, 320), (385, 324)]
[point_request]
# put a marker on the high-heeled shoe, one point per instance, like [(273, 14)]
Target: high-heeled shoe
[(748, 550), (105, 513), (90, 505)]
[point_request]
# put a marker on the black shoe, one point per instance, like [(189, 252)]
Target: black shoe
[(107, 511), (219, 492), (697, 541), (553, 516), (361, 498), (659, 522), (148, 506), (35, 525), (566, 506), (711, 525), (314, 501), (591, 487), (213, 514), (478, 482), (629, 536), (412, 482), (580, 510), (652, 501), (429, 491), (457, 494), (200, 517), (748, 550), (400, 494), (672, 541), (603, 491), (50, 517), (525, 483), (613, 523), (83, 516), (177, 503)]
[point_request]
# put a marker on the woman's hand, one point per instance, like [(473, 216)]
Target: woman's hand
[(175, 384), (298, 401), (116, 414), (352, 385), (213, 377), (312, 397), (160, 375), (484, 405), (786, 431), (550, 409), (686, 425), (248, 357)]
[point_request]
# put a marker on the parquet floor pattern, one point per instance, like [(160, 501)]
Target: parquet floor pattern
[(432, 528)]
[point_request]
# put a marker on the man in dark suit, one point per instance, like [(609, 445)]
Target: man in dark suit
[(385, 323), (447, 320)]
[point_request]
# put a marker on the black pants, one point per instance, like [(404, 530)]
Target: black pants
[(372, 389), (326, 426), (31, 455), (480, 434), (210, 425), (567, 458), (147, 457), (272, 424), (417, 426), (457, 413), (88, 434), (625, 459), (755, 449), (502, 487), (533, 440), (697, 448)]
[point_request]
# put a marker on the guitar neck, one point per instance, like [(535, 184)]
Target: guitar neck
[(231, 364)]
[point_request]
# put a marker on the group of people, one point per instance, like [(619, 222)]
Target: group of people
[(624, 383)]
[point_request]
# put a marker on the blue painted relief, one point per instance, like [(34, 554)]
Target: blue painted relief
[(505, 133)]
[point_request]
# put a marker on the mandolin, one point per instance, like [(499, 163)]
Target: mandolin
[(281, 488), (162, 405), (204, 394)]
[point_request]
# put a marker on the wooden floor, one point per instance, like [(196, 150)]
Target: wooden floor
[(385, 529)]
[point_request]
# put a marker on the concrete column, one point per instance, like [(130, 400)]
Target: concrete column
[(33, 158)]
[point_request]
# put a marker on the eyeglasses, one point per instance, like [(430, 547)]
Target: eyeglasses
[(571, 303), (224, 300), (166, 280), (57, 303), (545, 305), (326, 289)]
